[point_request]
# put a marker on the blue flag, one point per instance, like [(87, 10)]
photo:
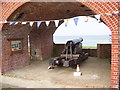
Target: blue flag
[(76, 20), (11, 23), (38, 23), (65, 24)]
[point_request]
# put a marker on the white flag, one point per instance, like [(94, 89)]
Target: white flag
[(116, 12), (31, 24), (97, 16), (5, 21), (24, 22), (47, 23), (38, 23), (11, 23), (16, 23), (56, 23)]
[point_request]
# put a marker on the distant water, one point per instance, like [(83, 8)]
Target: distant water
[(88, 40)]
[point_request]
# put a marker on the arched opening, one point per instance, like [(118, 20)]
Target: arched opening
[(83, 29), (21, 15), (95, 39)]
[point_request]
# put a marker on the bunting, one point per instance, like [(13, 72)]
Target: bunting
[(116, 12), (110, 14), (66, 22), (47, 23), (38, 23), (11, 23), (31, 24), (56, 23), (97, 17), (16, 23), (86, 18), (24, 22), (76, 19), (5, 21)]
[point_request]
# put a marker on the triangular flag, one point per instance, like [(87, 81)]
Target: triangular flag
[(76, 20), (56, 23), (31, 24), (108, 13), (66, 22), (116, 12), (38, 23), (5, 21), (16, 23), (112, 14), (97, 17), (24, 22), (11, 23), (47, 23), (86, 18)]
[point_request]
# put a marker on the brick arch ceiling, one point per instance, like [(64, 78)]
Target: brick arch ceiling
[(98, 7)]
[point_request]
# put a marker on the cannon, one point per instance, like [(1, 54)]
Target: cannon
[(71, 56)]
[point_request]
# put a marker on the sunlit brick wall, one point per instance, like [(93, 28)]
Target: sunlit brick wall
[(112, 23)]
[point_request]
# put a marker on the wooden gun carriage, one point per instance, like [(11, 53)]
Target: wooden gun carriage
[(71, 56)]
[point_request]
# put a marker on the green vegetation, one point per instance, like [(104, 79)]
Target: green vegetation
[(90, 47)]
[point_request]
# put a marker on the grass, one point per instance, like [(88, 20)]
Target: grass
[(90, 47)]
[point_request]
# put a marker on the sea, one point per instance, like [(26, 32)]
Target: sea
[(88, 40)]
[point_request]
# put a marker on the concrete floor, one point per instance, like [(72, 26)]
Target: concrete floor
[(96, 74)]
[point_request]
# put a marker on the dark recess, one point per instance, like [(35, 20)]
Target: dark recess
[(20, 15)]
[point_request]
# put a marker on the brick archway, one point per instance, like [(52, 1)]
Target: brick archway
[(98, 7)]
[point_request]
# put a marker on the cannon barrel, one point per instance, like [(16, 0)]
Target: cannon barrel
[(71, 56), (75, 41)]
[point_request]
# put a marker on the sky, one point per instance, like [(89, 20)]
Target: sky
[(92, 27)]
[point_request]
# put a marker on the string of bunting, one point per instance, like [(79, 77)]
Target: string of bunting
[(76, 19)]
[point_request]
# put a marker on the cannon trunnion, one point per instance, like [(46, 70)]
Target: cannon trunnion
[(71, 56)]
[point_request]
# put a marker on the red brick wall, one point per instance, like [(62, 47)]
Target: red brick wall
[(58, 49), (104, 50), (115, 59), (119, 50), (17, 60), (112, 22), (42, 41), (1, 52)]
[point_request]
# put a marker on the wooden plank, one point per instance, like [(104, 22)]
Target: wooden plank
[(69, 55)]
